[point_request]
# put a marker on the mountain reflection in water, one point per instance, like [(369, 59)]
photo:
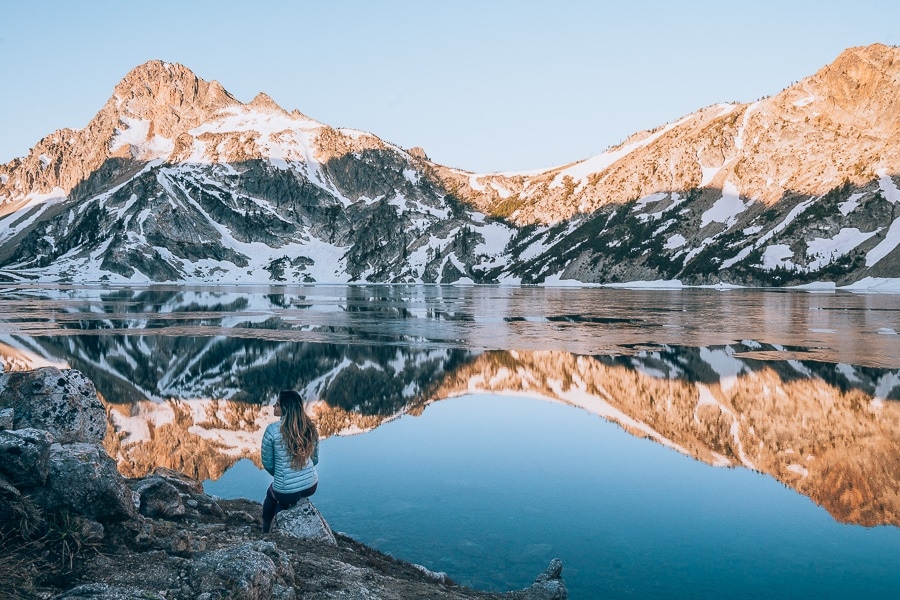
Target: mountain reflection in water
[(799, 386)]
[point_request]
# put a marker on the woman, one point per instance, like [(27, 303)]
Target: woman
[(290, 453)]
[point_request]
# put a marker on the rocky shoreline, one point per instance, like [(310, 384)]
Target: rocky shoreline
[(71, 526)]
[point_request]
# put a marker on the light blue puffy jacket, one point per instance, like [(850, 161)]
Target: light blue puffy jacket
[(277, 462)]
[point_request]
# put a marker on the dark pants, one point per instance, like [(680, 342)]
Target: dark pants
[(276, 501)]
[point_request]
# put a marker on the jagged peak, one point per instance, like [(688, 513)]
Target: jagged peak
[(157, 86), (874, 65), (880, 53), (157, 69), (264, 101)]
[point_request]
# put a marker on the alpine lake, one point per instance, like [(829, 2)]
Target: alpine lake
[(691, 443)]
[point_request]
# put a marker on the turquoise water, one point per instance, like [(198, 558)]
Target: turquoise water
[(490, 488)]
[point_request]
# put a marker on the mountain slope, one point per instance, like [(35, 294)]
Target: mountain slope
[(843, 123), (794, 188), (176, 180)]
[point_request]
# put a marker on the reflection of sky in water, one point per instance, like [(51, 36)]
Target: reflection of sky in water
[(490, 488)]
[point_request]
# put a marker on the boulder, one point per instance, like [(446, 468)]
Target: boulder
[(64, 403), (157, 498), (184, 483), (304, 521), (438, 576), (418, 152), (104, 591), (548, 585), (280, 559), (241, 573), (24, 456), (84, 479), (6, 417)]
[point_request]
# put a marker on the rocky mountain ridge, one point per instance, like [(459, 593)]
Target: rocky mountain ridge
[(842, 123), (176, 180)]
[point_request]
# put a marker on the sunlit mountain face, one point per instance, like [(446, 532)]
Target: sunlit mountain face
[(175, 180), (188, 380)]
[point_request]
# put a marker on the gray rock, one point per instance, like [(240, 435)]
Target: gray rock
[(157, 498), (304, 521), (548, 585), (182, 482), (280, 559), (64, 403), (418, 152), (84, 479), (24, 456), (6, 417), (438, 576), (104, 591), (240, 573), (280, 592)]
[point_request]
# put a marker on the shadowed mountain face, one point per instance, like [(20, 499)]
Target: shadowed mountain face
[(199, 404), (176, 180)]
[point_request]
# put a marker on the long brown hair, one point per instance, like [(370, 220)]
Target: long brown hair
[(298, 431)]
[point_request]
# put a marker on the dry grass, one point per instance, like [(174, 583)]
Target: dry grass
[(20, 560)]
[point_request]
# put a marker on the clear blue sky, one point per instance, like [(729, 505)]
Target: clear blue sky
[(481, 85)]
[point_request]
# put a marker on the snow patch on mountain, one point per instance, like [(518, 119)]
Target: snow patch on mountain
[(29, 212), (675, 241), (726, 209), (739, 138), (824, 251), (580, 171), (136, 134), (886, 246), (804, 101), (287, 140), (708, 174), (778, 256), (778, 251), (887, 285), (851, 204), (888, 187)]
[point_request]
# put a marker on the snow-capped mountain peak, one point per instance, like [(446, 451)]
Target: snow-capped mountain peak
[(176, 180)]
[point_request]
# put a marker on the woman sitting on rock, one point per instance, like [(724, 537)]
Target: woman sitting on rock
[(290, 453)]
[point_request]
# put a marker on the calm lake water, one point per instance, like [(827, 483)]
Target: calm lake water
[(690, 443)]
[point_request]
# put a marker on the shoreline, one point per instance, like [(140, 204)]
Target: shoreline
[(71, 526)]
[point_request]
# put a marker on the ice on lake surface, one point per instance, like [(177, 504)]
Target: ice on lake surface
[(505, 426)]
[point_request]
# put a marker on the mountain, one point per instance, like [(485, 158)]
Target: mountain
[(176, 180)]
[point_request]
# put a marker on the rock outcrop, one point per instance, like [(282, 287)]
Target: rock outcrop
[(305, 522), (72, 527), (63, 403)]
